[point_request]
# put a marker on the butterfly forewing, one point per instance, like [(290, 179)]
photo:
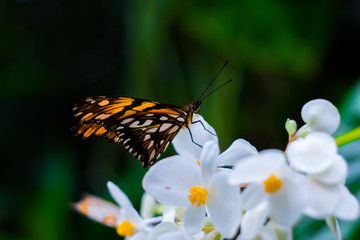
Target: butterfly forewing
[(144, 127)]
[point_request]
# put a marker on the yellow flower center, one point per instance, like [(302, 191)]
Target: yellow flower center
[(125, 229), (198, 195), (272, 184)]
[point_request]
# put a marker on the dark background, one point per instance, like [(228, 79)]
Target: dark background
[(54, 53)]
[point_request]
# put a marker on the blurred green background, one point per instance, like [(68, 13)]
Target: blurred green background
[(53, 53)]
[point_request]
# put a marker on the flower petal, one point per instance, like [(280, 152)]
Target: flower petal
[(239, 149), (123, 201), (194, 218), (252, 196), (257, 168), (162, 228), (183, 143), (348, 206), (312, 154), (321, 115), (254, 220), (137, 236), (322, 200), (223, 205), (147, 205), (170, 179), (98, 210), (336, 173), (208, 160), (286, 205), (169, 214)]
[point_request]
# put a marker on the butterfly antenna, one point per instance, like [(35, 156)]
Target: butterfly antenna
[(216, 89), (226, 62)]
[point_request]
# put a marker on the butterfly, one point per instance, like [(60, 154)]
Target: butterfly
[(144, 127)]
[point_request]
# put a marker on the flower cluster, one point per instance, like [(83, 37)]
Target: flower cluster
[(240, 193)]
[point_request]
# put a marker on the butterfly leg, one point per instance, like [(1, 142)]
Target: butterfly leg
[(199, 121), (192, 139)]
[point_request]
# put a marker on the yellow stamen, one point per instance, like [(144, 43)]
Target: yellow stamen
[(272, 184), (198, 162), (198, 195), (125, 229)]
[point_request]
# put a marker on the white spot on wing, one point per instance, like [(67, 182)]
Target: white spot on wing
[(147, 137), (149, 115), (152, 155), (145, 124), (165, 126), (127, 120), (180, 119), (175, 128), (120, 127), (163, 118), (103, 116), (151, 143), (126, 140), (152, 130)]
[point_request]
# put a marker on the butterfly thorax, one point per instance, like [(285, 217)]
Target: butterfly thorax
[(192, 108)]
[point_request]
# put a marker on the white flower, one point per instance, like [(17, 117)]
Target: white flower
[(123, 217), (192, 150), (180, 181), (316, 156), (320, 115), (270, 179), (189, 141), (169, 230), (313, 154), (129, 224), (148, 205), (99, 210), (255, 225)]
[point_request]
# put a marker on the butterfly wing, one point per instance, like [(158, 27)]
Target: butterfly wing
[(144, 127)]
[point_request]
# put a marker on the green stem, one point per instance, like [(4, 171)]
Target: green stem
[(348, 137)]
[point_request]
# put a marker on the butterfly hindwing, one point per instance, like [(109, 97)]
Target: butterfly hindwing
[(144, 127)]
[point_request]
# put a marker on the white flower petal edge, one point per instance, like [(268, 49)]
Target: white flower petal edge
[(322, 199), (238, 150), (123, 201), (147, 205), (252, 196), (348, 206), (321, 115), (98, 210), (288, 203), (223, 207), (253, 221), (162, 228), (170, 179), (312, 154), (257, 168), (207, 160), (183, 144), (194, 218), (336, 174)]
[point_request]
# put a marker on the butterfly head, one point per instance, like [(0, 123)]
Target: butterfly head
[(195, 106)]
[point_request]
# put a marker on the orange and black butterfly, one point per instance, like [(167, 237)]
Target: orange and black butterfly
[(144, 127)]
